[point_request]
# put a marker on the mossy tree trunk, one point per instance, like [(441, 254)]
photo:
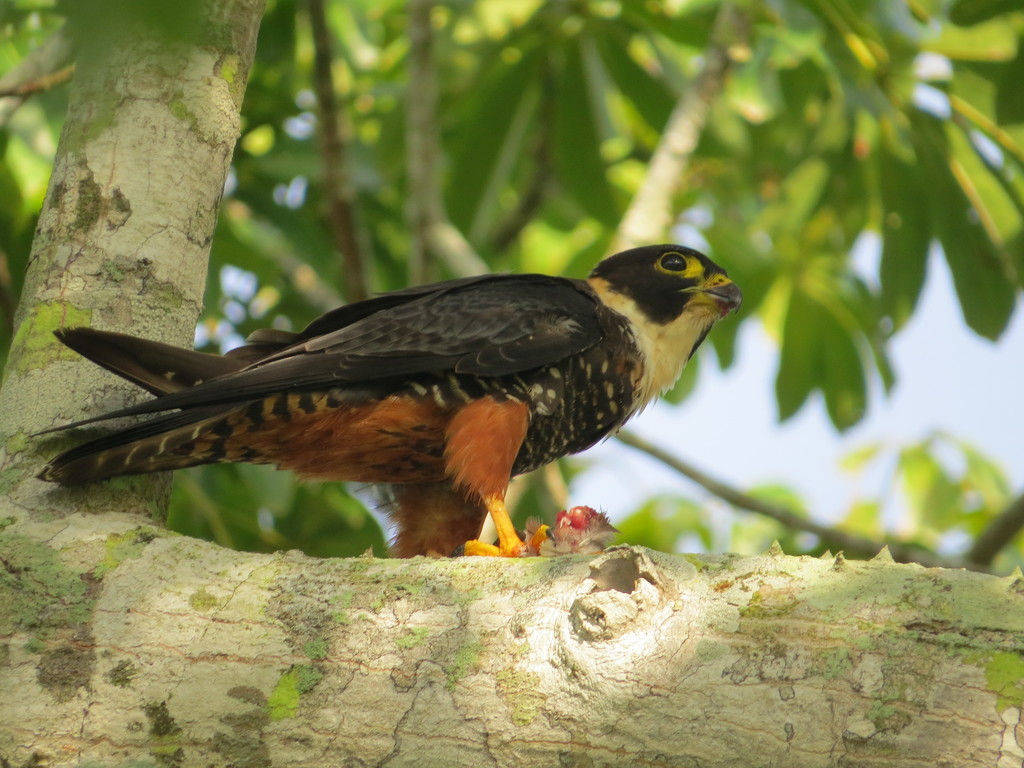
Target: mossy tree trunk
[(122, 243), (124, 235)]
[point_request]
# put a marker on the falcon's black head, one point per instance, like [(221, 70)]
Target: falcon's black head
[(666, 281), (670, 296)]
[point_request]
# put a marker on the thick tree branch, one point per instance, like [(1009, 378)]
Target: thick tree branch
[(998, 534), (433, 236), (126, 645), (651, 215), (338, 189), (832, 537)]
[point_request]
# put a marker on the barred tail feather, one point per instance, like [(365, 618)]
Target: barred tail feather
[(172, 441)]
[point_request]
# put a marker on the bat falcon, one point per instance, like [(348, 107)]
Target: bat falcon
[(441, 393)]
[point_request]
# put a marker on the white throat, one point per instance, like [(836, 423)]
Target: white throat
[(664, 348)]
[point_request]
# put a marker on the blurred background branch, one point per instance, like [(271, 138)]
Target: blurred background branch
[(833, 538), (998, 534), (653, 210), (341, 216), (433, 236), (45, 67)]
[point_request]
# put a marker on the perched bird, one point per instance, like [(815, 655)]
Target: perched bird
[(442, 392)]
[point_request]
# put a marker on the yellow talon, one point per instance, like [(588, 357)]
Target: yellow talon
[(509, 543), (476, 548)]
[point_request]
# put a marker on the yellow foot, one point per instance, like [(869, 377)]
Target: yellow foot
[(480, 549), (509, 543)]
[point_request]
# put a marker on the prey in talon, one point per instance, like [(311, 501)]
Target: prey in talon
[(441, 393), (577, 531)]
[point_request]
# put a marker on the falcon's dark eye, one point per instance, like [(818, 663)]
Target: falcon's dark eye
[(672, 262)]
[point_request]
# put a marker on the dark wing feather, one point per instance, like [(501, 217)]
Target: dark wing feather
[(345, 316), (267, 342), (486, 326), (158, 368)]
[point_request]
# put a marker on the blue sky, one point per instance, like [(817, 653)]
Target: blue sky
[(948, 379)]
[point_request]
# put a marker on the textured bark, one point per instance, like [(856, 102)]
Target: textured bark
[(125, 644), (124, 235), (121, 644)]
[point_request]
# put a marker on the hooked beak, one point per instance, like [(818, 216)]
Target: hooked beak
[(727, 295)]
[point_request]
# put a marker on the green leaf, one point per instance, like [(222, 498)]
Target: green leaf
[(967, 13), (780, 495), (819, 352), (864, 305), (987, 295), (799, 365), (273, 490), (727, 132), (986, 38), (652, 99), (996, 190), (856, 460), (906, 236), (490, 137), (986, 478), (1009, 103), (327, 521), (864, 517), (686, 23), (753, 90), (223, 503), (581, 169), (801, 194), (934, 498), (752, 533), (798, 38), (844, 384)]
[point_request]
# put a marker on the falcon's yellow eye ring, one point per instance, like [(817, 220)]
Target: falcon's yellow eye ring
[(679, 265), (673, 262)]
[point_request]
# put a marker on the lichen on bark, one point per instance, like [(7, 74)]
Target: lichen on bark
[(801, 661), (123, 238)]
